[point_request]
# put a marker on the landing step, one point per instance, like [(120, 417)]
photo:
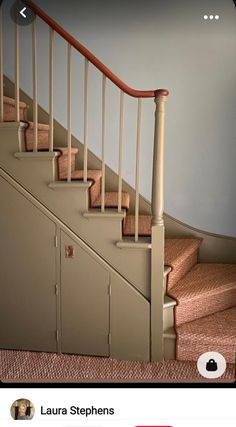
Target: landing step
[(39, 155), (111, 214), (57, 185)]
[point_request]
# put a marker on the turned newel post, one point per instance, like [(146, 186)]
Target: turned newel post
[(158, 232), (158, 159)]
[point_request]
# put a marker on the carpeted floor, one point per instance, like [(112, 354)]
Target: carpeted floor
[(35, 366)]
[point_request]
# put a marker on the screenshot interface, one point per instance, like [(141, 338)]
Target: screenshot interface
[(159, 408), (117, 210)]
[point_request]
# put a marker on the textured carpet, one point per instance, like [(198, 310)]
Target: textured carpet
[(63, 161), (181, 255), (43, 136), (144, 225), (212, 333), (206, 289), (23, 365), (111, 198), (10, 111), (94, 176)]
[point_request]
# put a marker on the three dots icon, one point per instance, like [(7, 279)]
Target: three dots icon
[(211, 17)]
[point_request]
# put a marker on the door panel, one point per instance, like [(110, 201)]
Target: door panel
[(130, 322), (27, 274), (84, 301)]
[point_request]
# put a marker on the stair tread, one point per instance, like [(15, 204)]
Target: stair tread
[(64, 150), (207, 279), (11, 101), (111, 200), (41, 126), (220, 326)]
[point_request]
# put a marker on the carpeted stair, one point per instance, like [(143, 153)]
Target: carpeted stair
[(9, 111), (205, 314), (204, 290), (111, 198), (216, 332)]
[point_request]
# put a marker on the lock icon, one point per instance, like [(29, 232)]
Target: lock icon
[(211, 366)]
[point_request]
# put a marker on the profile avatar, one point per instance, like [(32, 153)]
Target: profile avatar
[(22, 409)]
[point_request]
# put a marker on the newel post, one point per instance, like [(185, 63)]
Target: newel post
[(158, 231)]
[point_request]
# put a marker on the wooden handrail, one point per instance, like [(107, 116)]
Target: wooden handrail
[(95, 61)]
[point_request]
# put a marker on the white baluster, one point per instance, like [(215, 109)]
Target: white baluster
[(35, 86), (17, 73), (121, 141), (86, 65), (69, 112), (103, 141), (137, 174), (51, 69)]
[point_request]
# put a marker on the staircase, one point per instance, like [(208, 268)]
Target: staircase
[(197, 299)]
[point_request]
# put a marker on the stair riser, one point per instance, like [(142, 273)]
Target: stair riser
[(112, 201), (143, 229), (95, 191), (43, 139), (204, 306), (177, 273), (63, 165), (10, 113)]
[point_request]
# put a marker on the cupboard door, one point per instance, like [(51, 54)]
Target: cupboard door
[(27, 274), (84, 301)]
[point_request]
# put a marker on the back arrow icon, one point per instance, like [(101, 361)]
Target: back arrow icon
[(22, 12)]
